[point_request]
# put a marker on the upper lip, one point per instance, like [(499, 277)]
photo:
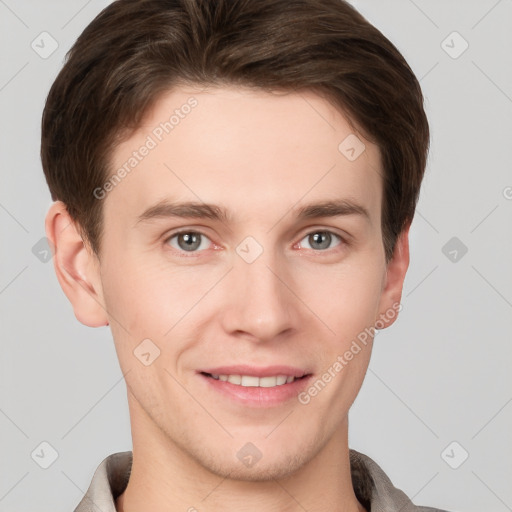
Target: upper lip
[(266, 371)]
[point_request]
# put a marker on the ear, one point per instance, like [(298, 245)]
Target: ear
[(76, 266), (393, 283)]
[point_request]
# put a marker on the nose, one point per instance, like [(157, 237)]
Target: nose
[(258, 301)]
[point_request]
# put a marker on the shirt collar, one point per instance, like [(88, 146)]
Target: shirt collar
[(372, 486)]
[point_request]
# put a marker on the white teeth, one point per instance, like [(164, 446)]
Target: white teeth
[(248, 381), (252, 381), (267, 382), (235, 379)]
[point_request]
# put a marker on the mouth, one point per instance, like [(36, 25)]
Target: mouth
[(253, 381), (249, 386)]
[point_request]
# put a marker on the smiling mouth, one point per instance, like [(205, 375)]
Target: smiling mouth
[(251, 381)]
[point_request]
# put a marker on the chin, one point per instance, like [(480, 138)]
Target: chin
[(276, 466), (260, 472)]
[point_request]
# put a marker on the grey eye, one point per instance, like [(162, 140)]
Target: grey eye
[(320, 240), (188, 241)]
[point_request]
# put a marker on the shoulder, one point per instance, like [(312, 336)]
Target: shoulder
[(108, 482), (374, 489)]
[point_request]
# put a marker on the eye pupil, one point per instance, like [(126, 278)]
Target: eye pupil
[(191, 241), (322, 238)]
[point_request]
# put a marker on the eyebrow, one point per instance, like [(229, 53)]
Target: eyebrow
[(195, 210)]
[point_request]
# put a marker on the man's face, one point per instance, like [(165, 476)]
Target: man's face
[(261, 288)]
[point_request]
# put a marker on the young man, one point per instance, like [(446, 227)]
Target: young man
[(234, 182)]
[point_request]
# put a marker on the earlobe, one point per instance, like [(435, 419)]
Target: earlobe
[(394, 281), (76, 267)]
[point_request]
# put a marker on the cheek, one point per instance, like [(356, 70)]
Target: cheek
[(349, 307), (142, 295), (152, 300), (346, 297)]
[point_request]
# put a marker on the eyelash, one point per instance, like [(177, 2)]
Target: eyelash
[(188, 254)]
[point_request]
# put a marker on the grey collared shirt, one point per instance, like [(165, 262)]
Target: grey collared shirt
[(372, 487)]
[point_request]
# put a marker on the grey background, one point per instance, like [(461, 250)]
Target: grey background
[(440, 374)]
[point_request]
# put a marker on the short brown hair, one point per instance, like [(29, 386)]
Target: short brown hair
[(134, 50)]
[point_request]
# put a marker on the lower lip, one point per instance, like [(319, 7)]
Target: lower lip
[(257, 396)]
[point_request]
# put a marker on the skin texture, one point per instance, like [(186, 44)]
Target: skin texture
[(260, 155)]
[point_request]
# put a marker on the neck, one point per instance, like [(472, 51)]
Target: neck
[(165, 477)]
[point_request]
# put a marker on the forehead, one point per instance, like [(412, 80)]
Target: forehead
[(246, 149)]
